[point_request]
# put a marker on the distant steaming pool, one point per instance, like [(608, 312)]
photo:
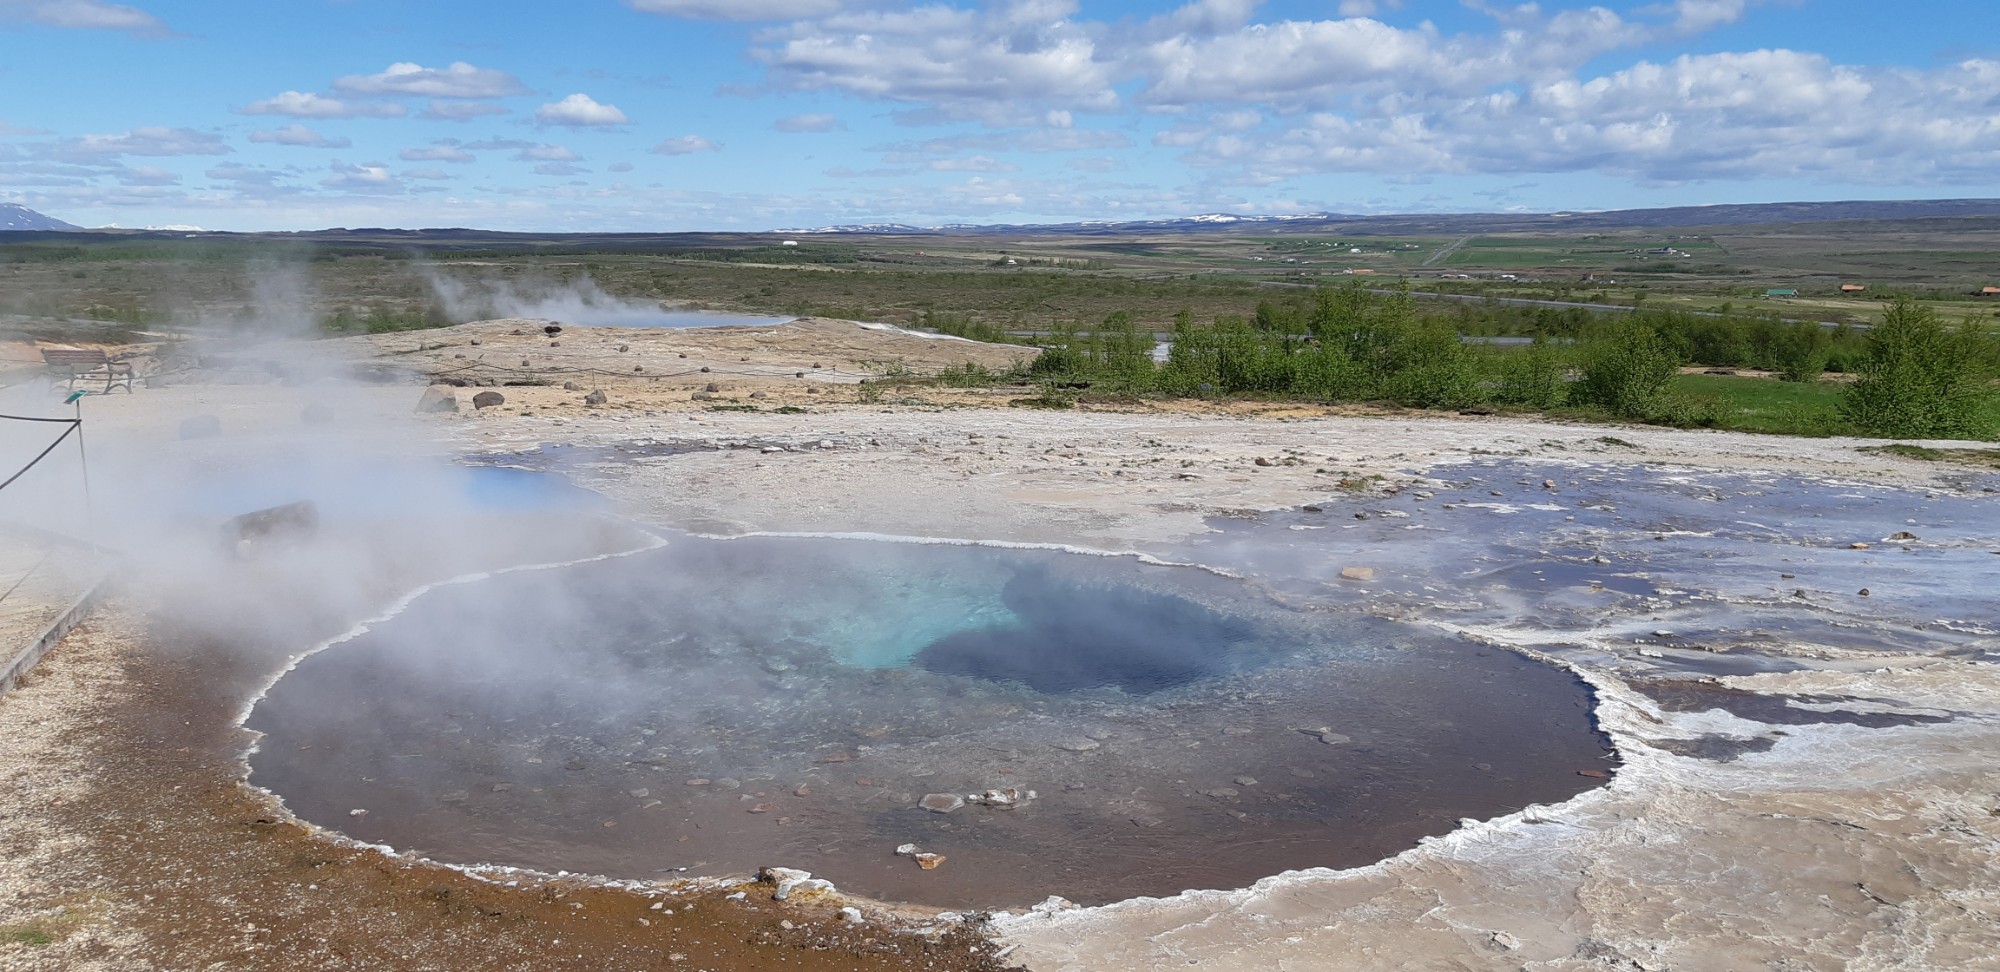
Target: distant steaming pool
[(635, 316), (720, 705)]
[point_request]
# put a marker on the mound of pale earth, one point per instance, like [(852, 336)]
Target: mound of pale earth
[(824, 350)]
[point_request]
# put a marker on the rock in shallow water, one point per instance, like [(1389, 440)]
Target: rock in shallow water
[(941, 802)]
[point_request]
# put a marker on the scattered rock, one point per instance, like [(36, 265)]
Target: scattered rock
[(571, 386), (1857, 545), (1309, 508), (711, 387), (1245, 781), (1506, 941), (851, 914), (702, 396), (791, 879), (697, 781), (624, 348), (802, 790), (1863, 592), (1595, 774), (474, 342), (552, 330), (1357, 573), (759, 808), (1263, 461), (1052, 904), (1902, 535), (941, 802), (488, 399), (596, 397), (1003, 799), (926, 860), (905, 850), (1145, 820), (759, 395), (357, 812), (1328, 736), (1222, 792), (438, 398)]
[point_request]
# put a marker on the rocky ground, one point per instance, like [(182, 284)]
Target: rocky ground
[(131, 844)]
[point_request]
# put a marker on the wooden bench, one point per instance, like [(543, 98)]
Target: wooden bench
[(75, 365)]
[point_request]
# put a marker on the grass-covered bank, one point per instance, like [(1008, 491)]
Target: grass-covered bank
[(1913, 376)]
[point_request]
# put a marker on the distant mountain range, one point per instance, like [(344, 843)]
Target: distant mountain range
[(1724, 215), (17, 217)]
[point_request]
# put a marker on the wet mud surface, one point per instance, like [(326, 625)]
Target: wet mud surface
[(716, 706)]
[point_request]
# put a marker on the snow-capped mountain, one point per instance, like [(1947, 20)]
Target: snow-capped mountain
[(17, 217)]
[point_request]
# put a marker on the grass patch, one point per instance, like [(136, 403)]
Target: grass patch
[(27, 935), (1766, 405)]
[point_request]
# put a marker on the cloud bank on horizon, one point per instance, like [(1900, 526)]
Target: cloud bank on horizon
[(754, 114)]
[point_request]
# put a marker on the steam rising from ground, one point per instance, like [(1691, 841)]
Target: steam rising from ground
[(579, 301)]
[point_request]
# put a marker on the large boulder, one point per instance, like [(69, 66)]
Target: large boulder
[(488, 399), (438, 398)]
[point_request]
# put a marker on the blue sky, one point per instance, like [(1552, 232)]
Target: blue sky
[(663, 115)]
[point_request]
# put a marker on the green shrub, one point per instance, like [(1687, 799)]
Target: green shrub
[(1535, 376), (1626, 373), (1919, 378), (1429, 367)]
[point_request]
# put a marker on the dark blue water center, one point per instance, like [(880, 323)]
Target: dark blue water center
[(1071, 637)]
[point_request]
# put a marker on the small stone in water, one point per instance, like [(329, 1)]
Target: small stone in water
[(1246, 781), (905, 850), (928, 862), (641, 793), (941, 802), (697, 782), (1357, 573), (1595, 774), (760, 808), (802, 790)]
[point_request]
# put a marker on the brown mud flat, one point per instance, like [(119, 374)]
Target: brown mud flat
[(132, 844)]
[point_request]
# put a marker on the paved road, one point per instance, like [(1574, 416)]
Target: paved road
[(1444, 252)]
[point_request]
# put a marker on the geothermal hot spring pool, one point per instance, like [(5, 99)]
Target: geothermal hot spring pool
[(717, 705), (712, 706)]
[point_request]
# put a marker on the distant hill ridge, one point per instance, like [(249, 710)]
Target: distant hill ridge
[(14, 216), (1720, 215)]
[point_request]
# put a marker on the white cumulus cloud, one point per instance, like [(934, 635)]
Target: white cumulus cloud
[(304, 104), (301, 136), (436, 153), (579, 111), (685, 145), (85, 15), (373, 177), (406, 79)]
